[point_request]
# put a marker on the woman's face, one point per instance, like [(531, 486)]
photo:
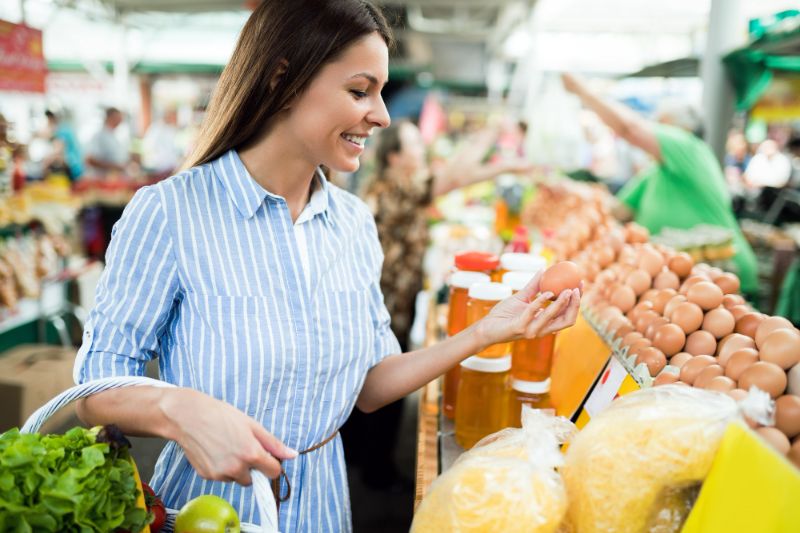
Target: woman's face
[(411, 157), (342, 106)]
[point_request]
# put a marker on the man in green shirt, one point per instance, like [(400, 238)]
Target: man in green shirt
[(685, 187)]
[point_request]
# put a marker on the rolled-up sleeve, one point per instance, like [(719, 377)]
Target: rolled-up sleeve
[(135, 297)]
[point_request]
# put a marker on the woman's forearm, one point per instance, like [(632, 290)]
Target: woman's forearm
[(138, 411), (399, 375)]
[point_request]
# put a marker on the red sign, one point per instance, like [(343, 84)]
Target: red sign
[(22, 64)]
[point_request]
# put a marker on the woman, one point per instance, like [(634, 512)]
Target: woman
[(256, 283)]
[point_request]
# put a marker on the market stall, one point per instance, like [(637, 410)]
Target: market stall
[(651, 317)]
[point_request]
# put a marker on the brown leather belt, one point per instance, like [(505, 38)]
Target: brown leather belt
[(276, 483)]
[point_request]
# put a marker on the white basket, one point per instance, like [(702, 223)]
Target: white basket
[(261, 486)]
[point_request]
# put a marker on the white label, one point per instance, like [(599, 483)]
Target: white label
[(606, 389)]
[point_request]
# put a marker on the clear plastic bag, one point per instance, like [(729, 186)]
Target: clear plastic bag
[(637, 466), (507, 483)]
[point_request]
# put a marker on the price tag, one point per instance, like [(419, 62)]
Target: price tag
[(613, 382)]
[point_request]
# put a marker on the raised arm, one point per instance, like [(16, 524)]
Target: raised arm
[(522, 315), (625, 123)]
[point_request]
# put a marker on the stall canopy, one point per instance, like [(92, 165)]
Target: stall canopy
[(774, 50)]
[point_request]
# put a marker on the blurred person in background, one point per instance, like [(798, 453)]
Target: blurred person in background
[(737, 157), (399, 195), (685, 187), (769, 167), (65, 155), (105, 153), (162, 152)]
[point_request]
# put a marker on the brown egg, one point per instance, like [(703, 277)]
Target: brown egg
[(661, 299), (681, 263), (719, 322), (624, 329), (701, 343), (561, 276), (705, 294), (650, 332), (639, 345), (766, 376), (636, 233), (665, 378), (781, 347), (776, 439), (787, 415), (679, 359), (748, 324), (639, 280), (707, 374), (729, 300), (794, 452), (690, 282), (648, 296), (729, 283), (793, 375), (669, 338), (721, 384), (738, 311), (645, 319), (687, 316), (666, 279), (692, 368), (605, 256), (732, 343), (739, 361), (673, 302), (628, 339), (653, 358), (651, 261), (769, 325), (623, 297), (738, 394)]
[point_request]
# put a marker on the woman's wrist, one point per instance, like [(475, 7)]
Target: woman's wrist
[(170, 407), (479, 338)]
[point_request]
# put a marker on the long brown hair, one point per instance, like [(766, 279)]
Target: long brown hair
[(300, 36)]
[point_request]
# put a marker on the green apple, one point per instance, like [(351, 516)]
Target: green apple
[(207, 514)]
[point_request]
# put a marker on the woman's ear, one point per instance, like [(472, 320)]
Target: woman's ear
[(283, 65)]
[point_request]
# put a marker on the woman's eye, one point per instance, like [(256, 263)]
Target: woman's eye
[(358, 94)]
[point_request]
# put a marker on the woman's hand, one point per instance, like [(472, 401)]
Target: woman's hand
[(572, 83), (221, 442), (524, 315)]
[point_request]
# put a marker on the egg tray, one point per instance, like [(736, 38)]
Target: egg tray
[(640, 372)]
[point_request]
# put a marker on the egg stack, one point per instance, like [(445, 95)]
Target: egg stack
[(687, 324)]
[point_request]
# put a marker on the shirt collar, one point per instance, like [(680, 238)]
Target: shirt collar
[(247, 195)]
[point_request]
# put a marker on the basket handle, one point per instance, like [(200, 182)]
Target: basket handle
[(261, 486)]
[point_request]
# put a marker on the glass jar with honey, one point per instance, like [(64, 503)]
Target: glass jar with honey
[(484, 398), (482, 298), (534, 394), (460, 282), (531, 359)]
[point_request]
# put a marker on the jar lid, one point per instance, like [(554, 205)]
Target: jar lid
[(489, 291), (486, 364), (531, 387), (517, 280), (477, 261), (464, 279), (522, 262)]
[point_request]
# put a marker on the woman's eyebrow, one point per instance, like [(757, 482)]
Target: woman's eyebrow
[(369, 77)]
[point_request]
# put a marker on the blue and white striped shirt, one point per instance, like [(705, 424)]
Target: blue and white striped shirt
[(206, 273)]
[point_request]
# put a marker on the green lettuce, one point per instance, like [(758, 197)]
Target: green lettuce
[(82, 481)]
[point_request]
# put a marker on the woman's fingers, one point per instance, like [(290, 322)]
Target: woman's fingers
[(271, 443), (567, 318), (548, 314), (527, 292)]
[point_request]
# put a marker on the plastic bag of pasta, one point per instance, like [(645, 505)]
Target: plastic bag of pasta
[(507, 483), (637, 467)]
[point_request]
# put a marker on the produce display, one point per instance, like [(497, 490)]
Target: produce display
[(25, 262), (83, 480), (507, 483), (638, 465), (668, 318)]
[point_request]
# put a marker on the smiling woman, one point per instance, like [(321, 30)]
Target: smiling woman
[(256, 283)]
